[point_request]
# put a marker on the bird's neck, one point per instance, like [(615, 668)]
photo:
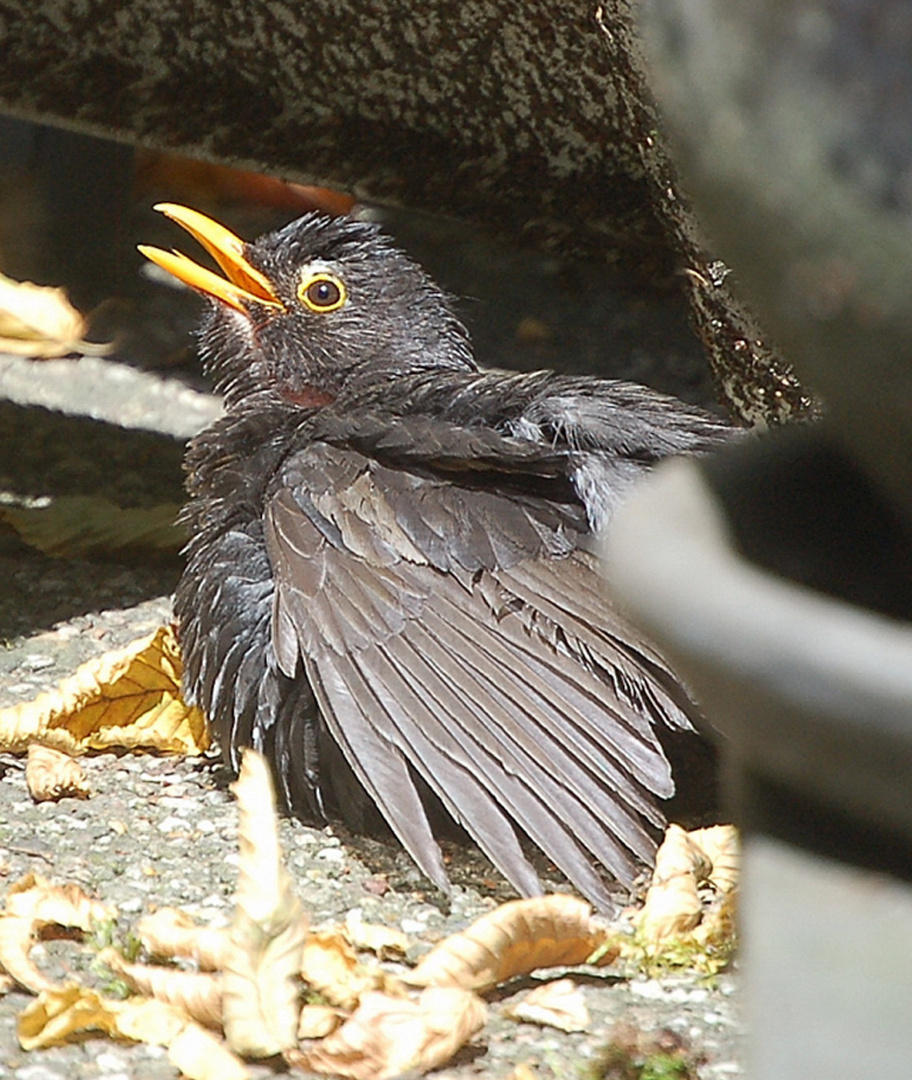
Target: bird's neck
[(220, 454)]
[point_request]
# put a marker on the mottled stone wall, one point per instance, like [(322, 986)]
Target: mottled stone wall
[(529, 117)]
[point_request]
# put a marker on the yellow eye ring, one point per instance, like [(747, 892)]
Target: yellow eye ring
[(322, 292)]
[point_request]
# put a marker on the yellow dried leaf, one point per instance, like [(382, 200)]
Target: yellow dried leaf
[(144, 1020), (673, 907), (200, 1056), (171, 933), (39, 321), (722, 847), (51, 774), (34, 897), (32, 903), (522, 1072), (375, 938), (717, 928), (559, 1004), (318, 1021), (58, 1015), (128, 698), (61, 1012), (85, 526), (259, 991), (198, 995), (330, 966), (388, 1037), (514, 939), (17, 935)]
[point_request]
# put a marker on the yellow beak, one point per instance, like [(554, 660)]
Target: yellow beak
[(245, 284)]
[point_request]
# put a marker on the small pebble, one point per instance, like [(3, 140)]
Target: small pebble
[(111, 1062), (650, 989), (331, 854)]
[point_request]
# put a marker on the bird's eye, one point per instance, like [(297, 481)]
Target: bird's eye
[(322, 293)]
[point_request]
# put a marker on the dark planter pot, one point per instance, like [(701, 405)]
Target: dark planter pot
[(777, 576), (810, 698)]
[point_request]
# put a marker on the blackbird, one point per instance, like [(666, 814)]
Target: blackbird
[(391, 584)]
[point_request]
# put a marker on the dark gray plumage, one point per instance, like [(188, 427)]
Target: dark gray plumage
[(391, 557)]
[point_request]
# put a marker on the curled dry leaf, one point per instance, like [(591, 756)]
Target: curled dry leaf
[(17, 935), (57, 1015), (31, 904), (673, 906), (199, 995), (39, 321), (128, 698), (388, 1037), (60, 1012), (34, 897), (514, 939), (522, 1072), (559, 1004), (171, 933), (86, 526), (198, 1055), (330, 966), (717, 928), (722, 847), (51, 774), (259, 989), (318, 1021), (385, 941)]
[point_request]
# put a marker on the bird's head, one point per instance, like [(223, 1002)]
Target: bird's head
[(315, 308)]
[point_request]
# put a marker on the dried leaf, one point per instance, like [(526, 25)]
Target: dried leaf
[(59, 1014), (318, 1021), (330, 966), (514, 939), (17, 935), (387, 1037), (86, 526), (717, 931), (673, 906), (128, 698), (376, 938), (558, 1004), (198, 995), (142, 1019), (33, 903), (34, 897), (522, 1072), (259, 992), (200, 1056), (722, 847), (171, 933), (39, 321), (50, 775)]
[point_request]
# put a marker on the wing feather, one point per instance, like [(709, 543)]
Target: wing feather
[(346, 700), (459, 633)]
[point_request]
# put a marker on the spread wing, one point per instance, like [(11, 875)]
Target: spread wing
[(450, 627)]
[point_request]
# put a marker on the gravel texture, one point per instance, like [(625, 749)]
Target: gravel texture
[(161, 831)]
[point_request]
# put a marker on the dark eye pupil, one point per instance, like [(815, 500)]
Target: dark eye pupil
[(324, 293)]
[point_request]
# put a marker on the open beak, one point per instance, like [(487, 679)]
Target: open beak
[(244, 285)]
